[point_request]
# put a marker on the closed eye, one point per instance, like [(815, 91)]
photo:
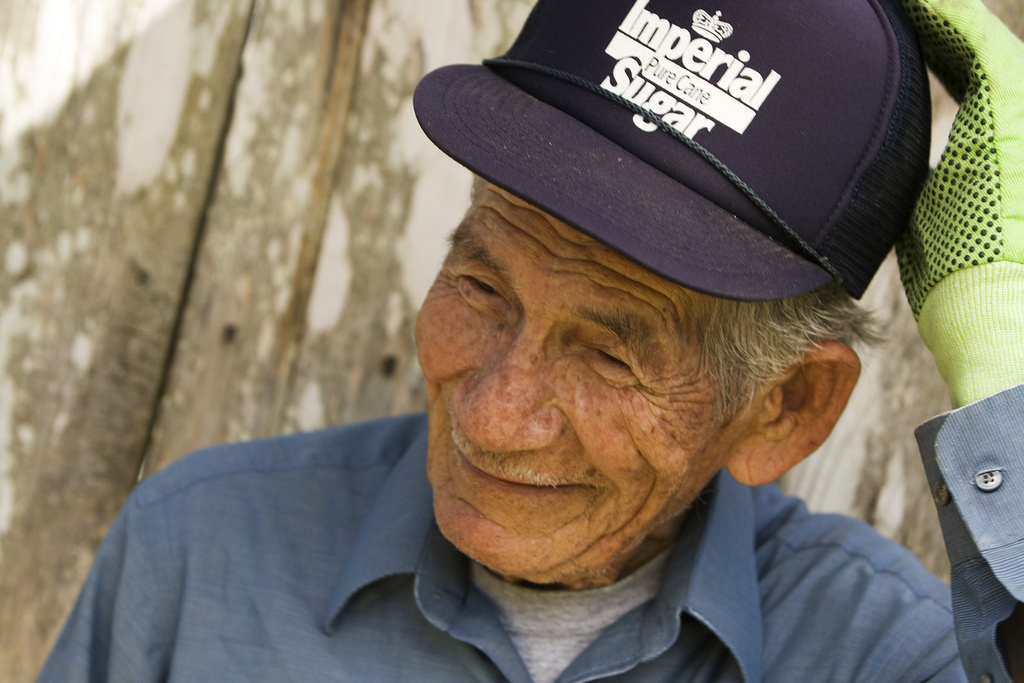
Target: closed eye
[(614, 359), (482, 286), (610, 366)]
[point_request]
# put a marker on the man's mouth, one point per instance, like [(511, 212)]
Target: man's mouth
[(503, 467)]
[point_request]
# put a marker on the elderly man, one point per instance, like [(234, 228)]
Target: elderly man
[(645, 317)]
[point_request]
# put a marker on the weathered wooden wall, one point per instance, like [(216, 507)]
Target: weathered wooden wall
[(111, 117), (217, 220)]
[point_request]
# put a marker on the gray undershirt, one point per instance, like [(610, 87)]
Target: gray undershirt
[(551, 627)]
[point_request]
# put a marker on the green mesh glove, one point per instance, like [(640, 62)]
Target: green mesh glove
[(961, 260)]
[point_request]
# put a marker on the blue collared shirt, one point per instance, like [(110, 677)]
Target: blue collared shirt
[(315, 557)]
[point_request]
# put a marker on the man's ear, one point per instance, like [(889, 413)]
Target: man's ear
[(794, 414)]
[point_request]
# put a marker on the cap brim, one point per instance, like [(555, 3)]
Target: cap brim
[(562, 166)]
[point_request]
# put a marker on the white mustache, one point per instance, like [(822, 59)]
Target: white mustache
[(504, 465)]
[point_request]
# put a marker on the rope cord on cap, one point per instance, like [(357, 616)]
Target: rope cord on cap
[(808, 250)]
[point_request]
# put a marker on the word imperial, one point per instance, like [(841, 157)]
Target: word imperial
[(687, 81)]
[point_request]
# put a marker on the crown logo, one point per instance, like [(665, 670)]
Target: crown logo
[(711, 27)]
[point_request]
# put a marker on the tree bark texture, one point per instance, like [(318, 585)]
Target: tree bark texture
[(217, 221)]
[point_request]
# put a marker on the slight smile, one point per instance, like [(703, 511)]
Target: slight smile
[(517, 478)]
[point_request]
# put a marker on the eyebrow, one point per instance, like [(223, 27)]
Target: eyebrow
[(465, 244), (634, 331)]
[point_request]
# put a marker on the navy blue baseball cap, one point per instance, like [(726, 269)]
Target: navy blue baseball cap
[(748, 150)]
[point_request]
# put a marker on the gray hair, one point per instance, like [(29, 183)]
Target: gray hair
[(745, 344), (478, 189)]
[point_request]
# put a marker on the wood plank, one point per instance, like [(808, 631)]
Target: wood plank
[(301, 313), (112, 118)]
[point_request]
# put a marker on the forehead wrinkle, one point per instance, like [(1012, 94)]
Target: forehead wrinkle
[(576, 252), (582, 255), (471, 241)]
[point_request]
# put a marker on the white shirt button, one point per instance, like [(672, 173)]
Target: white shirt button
[(989, 480)]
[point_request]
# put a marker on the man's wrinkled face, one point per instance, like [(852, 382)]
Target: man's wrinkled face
[(569, 421)]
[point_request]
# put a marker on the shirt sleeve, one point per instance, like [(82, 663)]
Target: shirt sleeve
[(974, 459), (123, 624)]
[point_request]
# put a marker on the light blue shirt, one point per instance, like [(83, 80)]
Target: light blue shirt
[(315, 557)]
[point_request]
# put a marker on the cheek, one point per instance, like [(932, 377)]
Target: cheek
[(677, 438), (644, 444), (604, 418), (451, 337)]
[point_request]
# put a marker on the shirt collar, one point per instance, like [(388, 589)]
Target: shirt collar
[(712, 574), (394, 533)]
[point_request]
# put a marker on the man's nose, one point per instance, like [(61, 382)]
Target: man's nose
[(508, 405)]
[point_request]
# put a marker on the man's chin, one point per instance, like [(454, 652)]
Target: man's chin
[(515, 556), (542, 559)]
